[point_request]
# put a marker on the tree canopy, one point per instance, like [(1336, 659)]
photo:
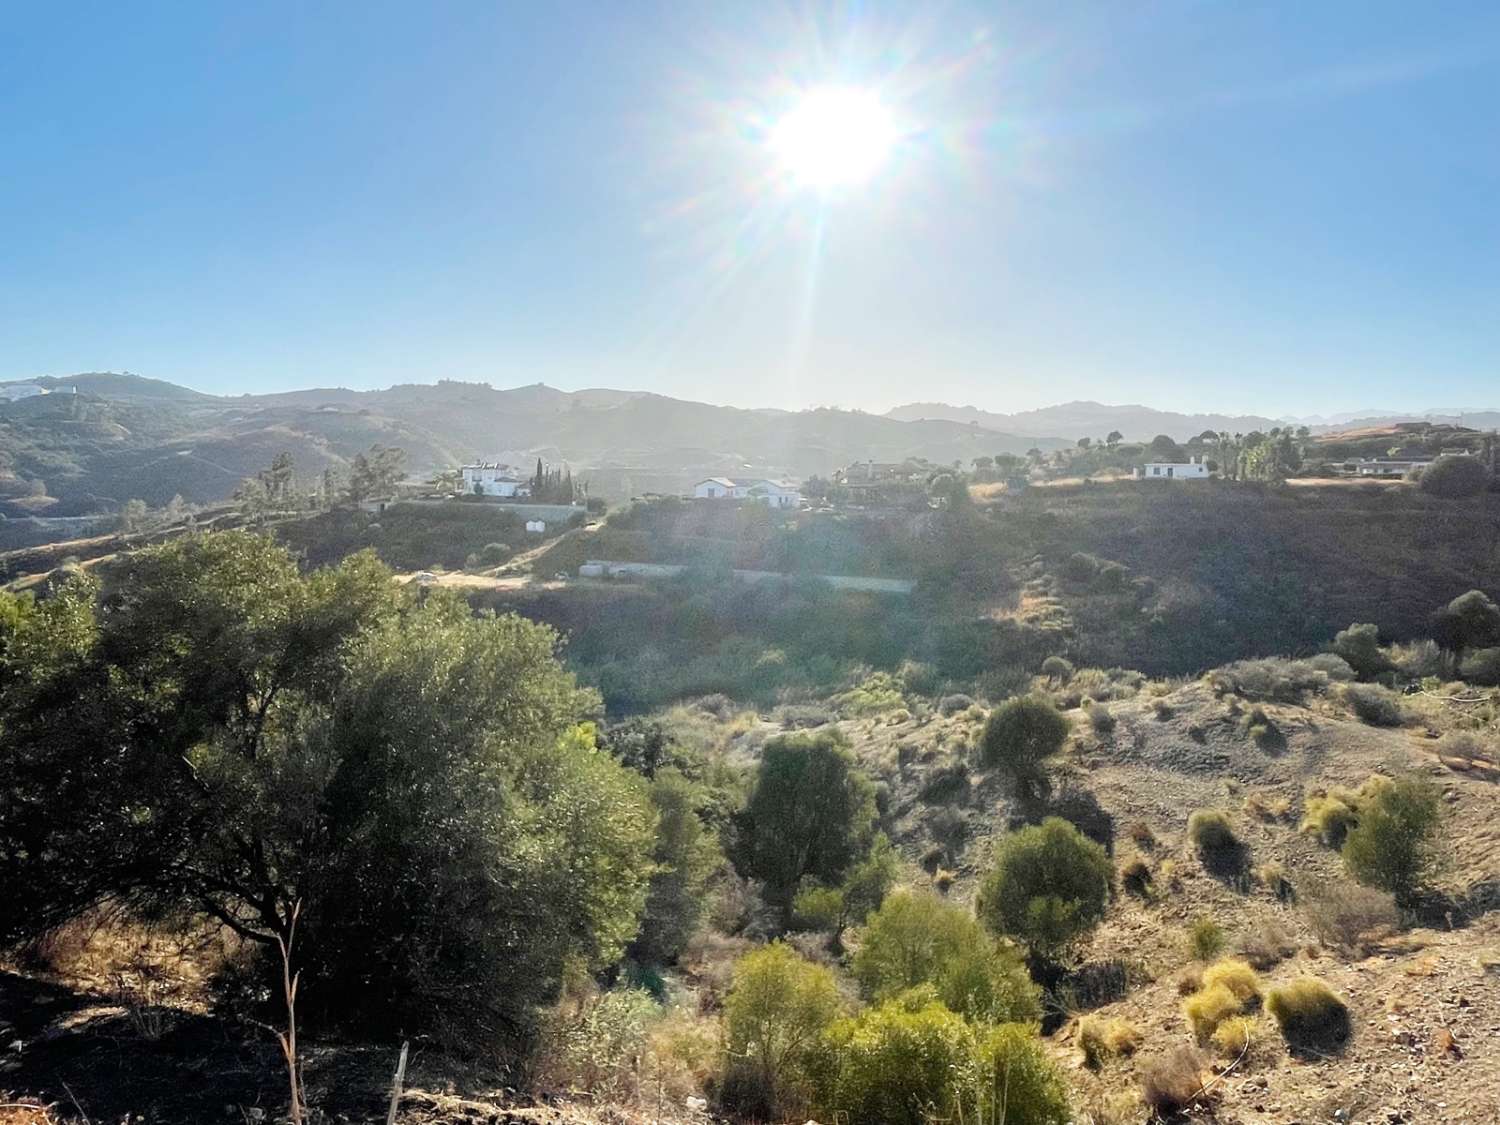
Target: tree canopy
[(227, 736), (811, 814)]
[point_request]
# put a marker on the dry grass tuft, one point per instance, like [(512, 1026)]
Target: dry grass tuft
[(1237, 976), (1173, 1083), (1309, 1013), (1102, 1039), (1235, 1036), (1210, 1006)]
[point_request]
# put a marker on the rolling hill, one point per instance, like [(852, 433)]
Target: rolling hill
[(103, 438)]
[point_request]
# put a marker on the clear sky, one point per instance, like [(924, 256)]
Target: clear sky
[(1283, 208)]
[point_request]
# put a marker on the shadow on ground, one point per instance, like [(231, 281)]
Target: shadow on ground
[(99, 1061)]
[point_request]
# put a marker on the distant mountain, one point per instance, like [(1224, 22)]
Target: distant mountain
[(100, 439), (1088, 419), (1478, 419)]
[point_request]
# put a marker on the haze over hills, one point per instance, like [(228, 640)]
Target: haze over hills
[(123, 436), (1142, 423), (1088, 419)]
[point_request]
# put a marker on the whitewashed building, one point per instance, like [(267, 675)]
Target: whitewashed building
[(494, 480), (1196, 469), (772, 493), (714, 488)]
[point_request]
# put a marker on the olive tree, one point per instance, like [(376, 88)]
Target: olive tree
[(233, 738), (810, 815), (1048, 886)]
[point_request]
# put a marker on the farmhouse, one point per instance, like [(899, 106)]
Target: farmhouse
[(772, 493), (1195, 469), (493, 480), (1388, 466)]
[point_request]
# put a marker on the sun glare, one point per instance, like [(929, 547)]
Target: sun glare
[(833, 138)]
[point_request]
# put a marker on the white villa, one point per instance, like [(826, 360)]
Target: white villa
[(1387, 466), (773, 493), (494, 480), (1195, 469)]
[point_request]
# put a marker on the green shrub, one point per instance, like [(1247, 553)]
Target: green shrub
[(811, 814), (1080, 567), (917, 678), (876, 694), (596, 1049), (493, 554), (1057, 668), (1392, 846), (1309, 1013), (1271, 678), (1021, 734), (1211, 830), (1048, 886), (1481, 667), (1101, 718), (1112, 577), (1359, 646), (686, 856), (953, 704), (1469, 621), (1379, 706), (945, 783), (818, 908), (1455, 477), (775, 1015), (916, 939), (904, 1062), (1019, 1084), (1205, 937)]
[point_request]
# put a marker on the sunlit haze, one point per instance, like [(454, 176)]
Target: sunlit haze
[(1283, 209)]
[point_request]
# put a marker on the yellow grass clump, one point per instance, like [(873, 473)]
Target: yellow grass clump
[(1237, 976), (1101, 1039)]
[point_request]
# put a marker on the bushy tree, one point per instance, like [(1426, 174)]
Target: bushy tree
[(1392, 845), (916, 939), (777, 1010), (1018, 1082), (686, 856), (375, 474), (1359, 645), (863, 890), (907, 1061), (810, 815), (1470, 620), (1021, 734), (1048, 886), (235, 738), (1455, 477)]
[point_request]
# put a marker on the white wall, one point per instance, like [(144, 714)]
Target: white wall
[(490, 483)]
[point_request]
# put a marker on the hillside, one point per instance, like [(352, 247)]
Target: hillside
[(123, 436), (1088, 419)]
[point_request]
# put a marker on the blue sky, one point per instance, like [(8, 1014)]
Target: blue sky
[(1282, 208)]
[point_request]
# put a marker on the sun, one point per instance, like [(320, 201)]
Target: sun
[(833, 137)]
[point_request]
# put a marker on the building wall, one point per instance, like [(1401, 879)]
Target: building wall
[(490, 483), (1196, 470)]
